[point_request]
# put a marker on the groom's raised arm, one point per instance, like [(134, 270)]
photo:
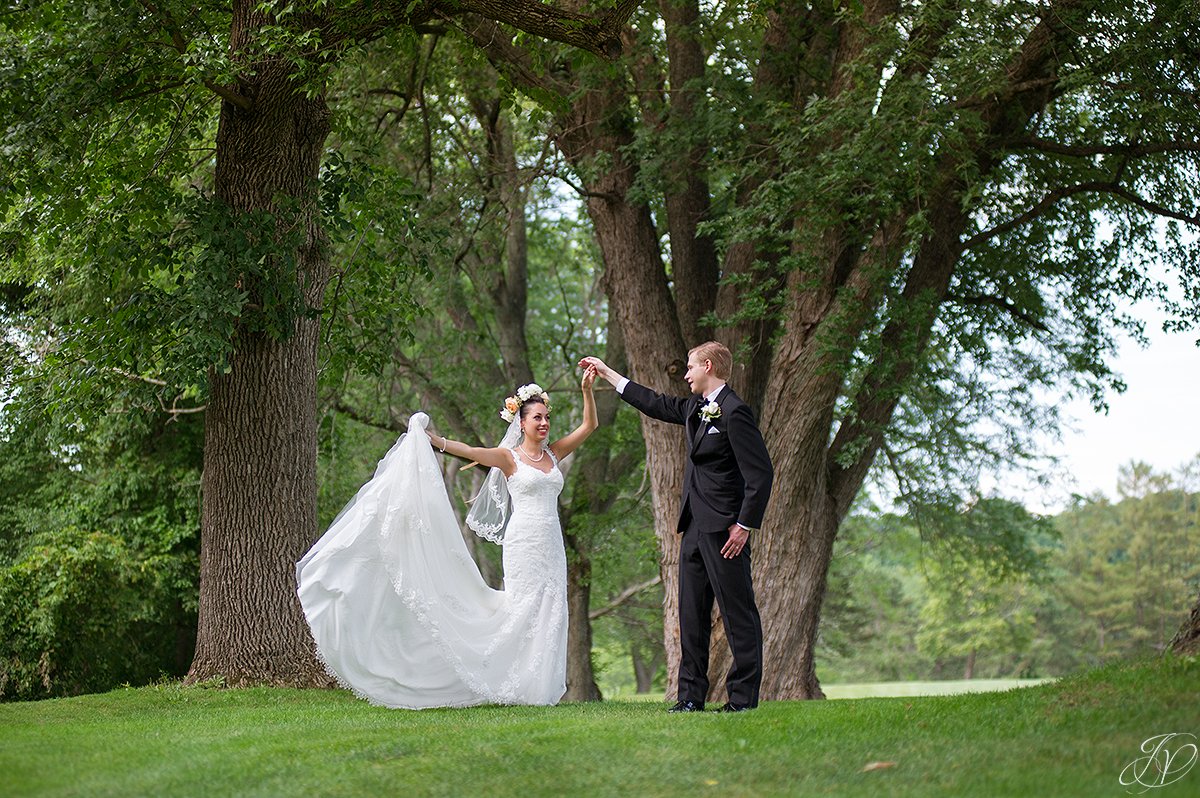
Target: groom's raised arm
[(671, 409)]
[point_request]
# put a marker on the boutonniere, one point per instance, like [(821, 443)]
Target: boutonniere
[(710, 411)]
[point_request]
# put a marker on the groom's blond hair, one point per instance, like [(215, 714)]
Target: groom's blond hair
[(717, 354)]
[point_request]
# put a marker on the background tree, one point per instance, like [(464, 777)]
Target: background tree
[(970, 610), (1129, 568)]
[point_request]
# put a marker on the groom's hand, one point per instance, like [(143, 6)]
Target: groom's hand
[(738, 535), (601, 369)]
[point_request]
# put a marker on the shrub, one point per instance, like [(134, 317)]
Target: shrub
[(82, 612)]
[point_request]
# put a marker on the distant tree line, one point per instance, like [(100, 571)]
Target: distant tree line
[(1103, 580)]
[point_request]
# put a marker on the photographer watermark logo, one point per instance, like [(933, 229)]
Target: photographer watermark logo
[(1168, 758)]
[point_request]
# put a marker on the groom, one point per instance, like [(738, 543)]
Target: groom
[(726, 483)]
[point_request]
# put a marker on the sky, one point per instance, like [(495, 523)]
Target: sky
[(1156, 420)]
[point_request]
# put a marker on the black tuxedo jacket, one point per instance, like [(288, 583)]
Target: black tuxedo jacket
[(728, 472)]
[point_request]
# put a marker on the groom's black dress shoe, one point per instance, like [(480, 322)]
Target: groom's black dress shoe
[(732, 707), (687, 706)]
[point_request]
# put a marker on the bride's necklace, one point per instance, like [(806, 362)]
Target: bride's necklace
[(531, 458)]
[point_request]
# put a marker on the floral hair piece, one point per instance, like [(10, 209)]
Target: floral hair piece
[(512, 405)]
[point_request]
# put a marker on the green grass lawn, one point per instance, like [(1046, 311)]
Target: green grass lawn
[(1071, 737), (910, 689)]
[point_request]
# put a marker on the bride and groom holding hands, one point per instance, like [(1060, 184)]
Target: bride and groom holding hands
[(401, 615)]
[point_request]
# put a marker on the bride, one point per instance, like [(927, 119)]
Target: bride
[(397, 607)]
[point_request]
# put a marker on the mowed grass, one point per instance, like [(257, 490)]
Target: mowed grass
[(1071, 737), (891, 689), (910, 689)]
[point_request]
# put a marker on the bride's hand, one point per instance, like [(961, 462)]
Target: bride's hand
[(589, 377)]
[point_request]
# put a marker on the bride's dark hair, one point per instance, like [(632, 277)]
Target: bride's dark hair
[(533, 400)]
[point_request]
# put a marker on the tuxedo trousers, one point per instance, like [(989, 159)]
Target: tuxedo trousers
[(704, 576)]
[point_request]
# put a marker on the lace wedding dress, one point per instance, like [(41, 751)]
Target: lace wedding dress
[(399, 611)]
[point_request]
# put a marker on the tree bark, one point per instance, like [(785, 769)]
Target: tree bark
[(581, 680), (644, 668), (259, 485), (1187, 639), (694, 265), (507, 285)]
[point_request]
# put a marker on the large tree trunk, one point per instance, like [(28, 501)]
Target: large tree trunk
[(258, 511), (641, 300), (816, 482), (686, 196), (258, 506)]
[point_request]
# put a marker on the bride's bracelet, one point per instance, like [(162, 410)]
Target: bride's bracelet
[(443, 444)]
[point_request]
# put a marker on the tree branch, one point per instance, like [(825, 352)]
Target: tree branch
[(1002, 303), (229, 95), (599, 35), (121, 98), (1046, 203), (175, 412), (349, 412), (1051, 199), (1007, 93), (625, 596), (1153, 207), (1083, 151), (175, 32), (583, 192), (498, 47), (433, 395)]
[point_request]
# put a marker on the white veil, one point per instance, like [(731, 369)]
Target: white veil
[(489, 509)]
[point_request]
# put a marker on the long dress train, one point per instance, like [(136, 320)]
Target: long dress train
[(399, 611)]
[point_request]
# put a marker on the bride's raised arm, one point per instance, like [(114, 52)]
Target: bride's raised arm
[(569, 443), (486, 456)]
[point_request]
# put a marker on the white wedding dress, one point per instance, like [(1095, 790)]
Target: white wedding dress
[(399, 611)]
